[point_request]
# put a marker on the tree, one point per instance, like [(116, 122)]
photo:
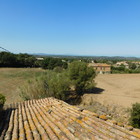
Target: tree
[(81, 75), (51, 63), (132, 66), (135, 115), (7, 59)]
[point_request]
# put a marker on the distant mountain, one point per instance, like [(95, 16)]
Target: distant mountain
[(90, 57)]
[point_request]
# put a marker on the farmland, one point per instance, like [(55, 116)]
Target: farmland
[(120, 89)]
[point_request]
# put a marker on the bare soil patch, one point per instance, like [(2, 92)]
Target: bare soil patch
[(119, 89)]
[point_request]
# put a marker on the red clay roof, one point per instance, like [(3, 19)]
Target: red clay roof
[(52, 119)]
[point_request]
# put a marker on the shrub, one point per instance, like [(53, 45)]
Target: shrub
[(2, 101), (135, 115), (58, 84), (50, 84), (34, 89)]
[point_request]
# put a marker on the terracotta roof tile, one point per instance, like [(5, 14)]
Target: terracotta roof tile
[(52, 119)]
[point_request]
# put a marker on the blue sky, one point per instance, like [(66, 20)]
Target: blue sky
[(78, 27)]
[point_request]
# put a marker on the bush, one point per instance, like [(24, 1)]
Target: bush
[(135, 115), (34, 89), (2, 101), (58, 84), (50, 84)]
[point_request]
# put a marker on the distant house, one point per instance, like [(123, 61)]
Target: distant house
[(101, 68), (40, 58), (136, 62), (118, 64)]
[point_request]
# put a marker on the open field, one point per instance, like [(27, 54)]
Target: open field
[(121, 89), (12, 78)]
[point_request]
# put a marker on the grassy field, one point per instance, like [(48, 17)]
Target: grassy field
[(12, 78), (120, 89)]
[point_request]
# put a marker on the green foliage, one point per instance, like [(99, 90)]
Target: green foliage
[(34, 89), (59, 82), (120, 69), (49, 84), (16, 60), (51, 63), (132, 66), (2, 101), (7, 59), (135, 115), (81, 75)]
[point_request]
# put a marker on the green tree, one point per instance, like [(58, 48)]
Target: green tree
[(51, 63), (132, 66), (135, 115), (7, 59), (81, 75)]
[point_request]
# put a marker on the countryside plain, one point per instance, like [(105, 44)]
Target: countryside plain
[(120, 89)]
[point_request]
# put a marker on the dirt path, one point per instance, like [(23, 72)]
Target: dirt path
[(121, 89)]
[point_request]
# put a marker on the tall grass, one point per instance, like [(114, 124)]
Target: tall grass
[(48, 84)]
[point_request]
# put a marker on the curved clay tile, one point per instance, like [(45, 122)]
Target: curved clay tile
[(52, 119)]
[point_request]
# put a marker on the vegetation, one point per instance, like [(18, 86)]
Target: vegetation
[(25, 60), (122, 69), (135, 115), (53, 83), (16, 60), (81, 76), (51, 63), (49, 84), (2, 101), (12, 78)]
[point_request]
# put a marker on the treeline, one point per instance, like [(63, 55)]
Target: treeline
[(25, 60), (133, 68), (17, 60)]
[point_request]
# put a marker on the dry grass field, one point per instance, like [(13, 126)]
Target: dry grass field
[(12, 78), (120, 89)]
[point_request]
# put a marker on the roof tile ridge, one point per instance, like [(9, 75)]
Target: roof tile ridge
[(60, 125), (26, 126), (74, 118), (44, 123), (8, 133), (33, 128), (21, 125), (37, 124), (52, 124)]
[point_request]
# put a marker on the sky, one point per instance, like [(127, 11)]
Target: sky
[(71, 27)]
